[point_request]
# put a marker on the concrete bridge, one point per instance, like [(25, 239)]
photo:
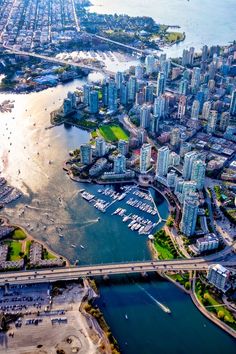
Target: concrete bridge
[(59, 61), (74, 273)]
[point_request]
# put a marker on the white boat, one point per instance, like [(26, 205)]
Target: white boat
[(122, 196), (81, 246), (141, 229), (121, 213), (117, 211), (131, 223), (126, 316), (126, 218), (73, 246)]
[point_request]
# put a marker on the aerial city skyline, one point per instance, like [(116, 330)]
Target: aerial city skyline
[(117, 177)]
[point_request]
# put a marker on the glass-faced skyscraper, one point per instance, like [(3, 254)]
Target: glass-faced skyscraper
[(162, 161), (145, 158), (189, 158), (161, 82), (189, 217), (232, 109), (198, 173)]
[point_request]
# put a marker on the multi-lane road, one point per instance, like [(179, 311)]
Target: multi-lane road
[(73, 273)]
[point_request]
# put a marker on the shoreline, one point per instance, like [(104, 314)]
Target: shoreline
[(192, 294), (206, 313), (32, 238)]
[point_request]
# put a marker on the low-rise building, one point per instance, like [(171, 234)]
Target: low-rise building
[(36, 257), (209, 242)]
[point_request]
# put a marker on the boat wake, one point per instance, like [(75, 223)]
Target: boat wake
[(32, 207), (162, 306), (88, 222)]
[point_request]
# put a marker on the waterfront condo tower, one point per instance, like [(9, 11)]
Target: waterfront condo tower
[(162, 161), (189, 217), (145, 158)]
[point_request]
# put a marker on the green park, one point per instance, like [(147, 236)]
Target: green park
[(113, 133)]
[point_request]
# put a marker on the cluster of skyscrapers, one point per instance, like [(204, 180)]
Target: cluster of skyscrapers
[(147, 94)]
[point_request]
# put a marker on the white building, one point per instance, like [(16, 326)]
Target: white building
[(189, 217), (119, 164), (219, 277), (150, 62), (162, 161), (145, 157), (207, 243), (198, 173)]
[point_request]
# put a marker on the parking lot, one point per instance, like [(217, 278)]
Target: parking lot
[(25, 299)]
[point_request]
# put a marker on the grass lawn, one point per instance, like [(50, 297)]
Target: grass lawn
[(113, 132), (180, 278), (213, 302), (15, 250), (174, 36), (47, 255), (164, 246), (94, 134), (163, 253), (19, 234), (27, 248), (212, 305)]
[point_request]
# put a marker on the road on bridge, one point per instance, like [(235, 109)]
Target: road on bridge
[(73, 273)]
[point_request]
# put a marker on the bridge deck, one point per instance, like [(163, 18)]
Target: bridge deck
[(57, 274)]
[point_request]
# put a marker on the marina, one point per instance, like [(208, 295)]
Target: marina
[(142, 202), (7, 192)]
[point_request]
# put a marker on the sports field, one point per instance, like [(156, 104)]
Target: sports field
[(113, 132)]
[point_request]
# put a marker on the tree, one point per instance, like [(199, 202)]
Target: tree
[(170, 221), (220, 314), (187, 285)]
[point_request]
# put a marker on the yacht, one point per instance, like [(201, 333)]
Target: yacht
[(126, 218), (122, 196), (131, 223), (117, 211), (121, 213), (81, 246), (141, 229)]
